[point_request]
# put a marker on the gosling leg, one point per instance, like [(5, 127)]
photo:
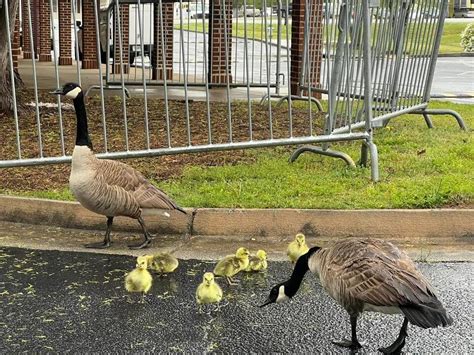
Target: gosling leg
[(352, 344), (399, 343), (231, 281), (146, 234), (106, 243)]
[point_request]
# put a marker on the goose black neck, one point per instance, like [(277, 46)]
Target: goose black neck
[(300, 270), (82, 134)]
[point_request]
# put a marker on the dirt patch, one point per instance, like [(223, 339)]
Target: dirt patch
[(160, 168)]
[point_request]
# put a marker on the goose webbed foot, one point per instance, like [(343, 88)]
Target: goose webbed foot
[(399, 343), (346, 343), (100, 245), (143, 245)]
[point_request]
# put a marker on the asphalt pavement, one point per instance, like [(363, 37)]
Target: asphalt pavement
[(54, 301)]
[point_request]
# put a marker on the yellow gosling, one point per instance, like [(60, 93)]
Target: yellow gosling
[(232, 264), (208, 290), (162, 263), (257, 262), (297, 248), (139, 279)]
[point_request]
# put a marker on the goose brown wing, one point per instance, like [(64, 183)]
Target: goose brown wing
[(146, 194), (383, 281)]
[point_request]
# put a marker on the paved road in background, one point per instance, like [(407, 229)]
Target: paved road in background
[(60, 301)]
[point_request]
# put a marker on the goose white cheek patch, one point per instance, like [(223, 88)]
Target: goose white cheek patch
[(281, 295), (73, 93)]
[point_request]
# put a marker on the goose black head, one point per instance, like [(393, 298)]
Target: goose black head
[(71, 90), (277, 294)]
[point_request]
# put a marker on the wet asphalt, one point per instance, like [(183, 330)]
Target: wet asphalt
[(75, 302)]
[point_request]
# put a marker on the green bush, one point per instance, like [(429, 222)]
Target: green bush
[(467, 38)]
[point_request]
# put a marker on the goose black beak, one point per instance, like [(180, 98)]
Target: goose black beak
[(267, 302), (58, 91)]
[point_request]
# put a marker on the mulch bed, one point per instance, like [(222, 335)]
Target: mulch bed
[(159, 168)]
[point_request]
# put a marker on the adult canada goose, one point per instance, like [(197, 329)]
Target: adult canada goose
[(368, 275), (108, 187)]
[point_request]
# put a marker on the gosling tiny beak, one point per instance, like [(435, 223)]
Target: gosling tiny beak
[(267, 302), (58, 91)]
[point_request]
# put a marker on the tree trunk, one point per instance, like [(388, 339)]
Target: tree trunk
[(6, 100)]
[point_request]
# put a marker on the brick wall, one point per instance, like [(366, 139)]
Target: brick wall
[(124, 28), (157, 56), (44, 31), (25, 31), (64, 9), (219, 72), (297, 43), (16, 41), (89, 46)]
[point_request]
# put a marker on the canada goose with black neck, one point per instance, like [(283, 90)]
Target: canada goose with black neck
[(368, 275), (108, 187)]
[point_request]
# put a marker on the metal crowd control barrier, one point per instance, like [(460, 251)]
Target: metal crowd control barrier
[(398, 59), (371, 60)]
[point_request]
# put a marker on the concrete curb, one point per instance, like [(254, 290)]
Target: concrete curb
[(444, 226)]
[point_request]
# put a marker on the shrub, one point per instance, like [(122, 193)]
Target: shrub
[(467, 38)]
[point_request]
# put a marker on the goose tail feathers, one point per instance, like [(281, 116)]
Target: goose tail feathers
[(427, 315)]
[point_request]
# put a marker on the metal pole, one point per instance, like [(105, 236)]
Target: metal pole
[(142, 50)]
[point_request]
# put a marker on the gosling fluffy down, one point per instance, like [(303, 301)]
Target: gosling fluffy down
[(297, 248), (232, 264), (139, 279), (208, 290), (162, 263), (257, 262)]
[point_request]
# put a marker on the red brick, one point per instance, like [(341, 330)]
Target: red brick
[(44, 31), (157, 56), (89, 35), (220, 68), (64, 9), (124, 24)]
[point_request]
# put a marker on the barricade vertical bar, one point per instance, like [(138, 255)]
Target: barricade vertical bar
[(124, 103), (187, 44), (165, 72), (185, 74), (56, 72), (268, 68), (227, 69), (101, 83), (246, 63), (206, 78), (76, 42), (278, 60), (288, 68), (434, 54), (236, 61), (107, 50), (142, 50), (35, 80), (308, 8), (368, 89), (12, 77)]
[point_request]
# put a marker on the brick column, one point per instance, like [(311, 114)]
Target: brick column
[(157, 57), (16, 41), (64, 9), (316, 44), (25, 31), (44, 31), (297, 43), (89, 46), (124, 28), (218, 71)]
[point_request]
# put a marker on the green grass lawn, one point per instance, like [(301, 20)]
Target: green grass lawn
[(419, 168), (449, 41)]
